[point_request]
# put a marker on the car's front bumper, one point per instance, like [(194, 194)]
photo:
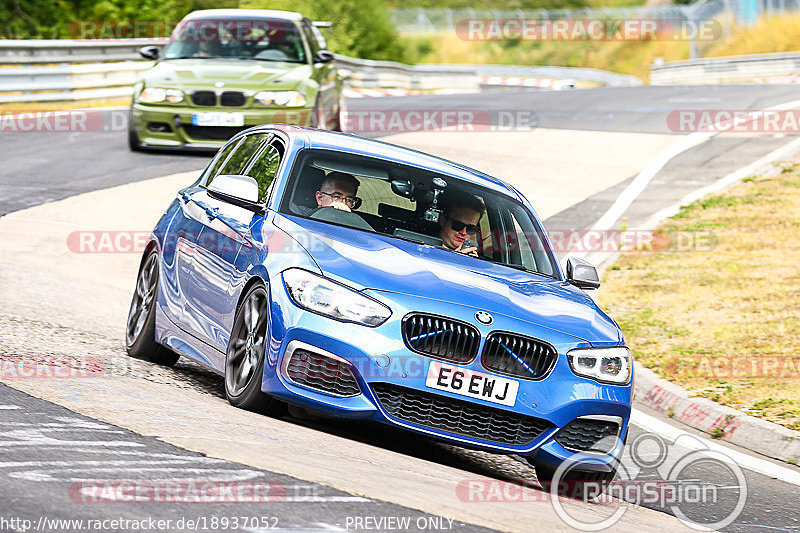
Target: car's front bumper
[(379, 356), (170, 126)]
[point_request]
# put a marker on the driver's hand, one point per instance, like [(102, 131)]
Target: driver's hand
[(341, 205), (472, 250)]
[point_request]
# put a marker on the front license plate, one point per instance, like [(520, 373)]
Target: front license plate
[(213, 118), (473, 384)]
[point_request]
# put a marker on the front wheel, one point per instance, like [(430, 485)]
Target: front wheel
[(134, 143), (140, 331), (244, 361)]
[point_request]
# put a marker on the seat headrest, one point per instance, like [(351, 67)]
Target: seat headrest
[(308, 184)]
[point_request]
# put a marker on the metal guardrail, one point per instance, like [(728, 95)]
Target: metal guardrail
[(31, 52), (55, 70), (730, 69)]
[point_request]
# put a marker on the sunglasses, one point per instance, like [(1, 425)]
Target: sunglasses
[(457, 225)]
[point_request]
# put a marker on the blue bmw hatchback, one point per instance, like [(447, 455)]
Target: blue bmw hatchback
[(365, 280)]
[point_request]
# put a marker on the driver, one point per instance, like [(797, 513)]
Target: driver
[(461, 216), (338, 190)]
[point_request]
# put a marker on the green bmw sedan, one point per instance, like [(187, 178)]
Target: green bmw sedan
[(225, 70)]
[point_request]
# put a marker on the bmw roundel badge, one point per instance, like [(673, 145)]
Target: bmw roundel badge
[(483, 317)]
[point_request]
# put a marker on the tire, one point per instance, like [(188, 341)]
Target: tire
[(574, 483), (134, 143), (244, 359), (336, 123), (140, 328), (324, 120)]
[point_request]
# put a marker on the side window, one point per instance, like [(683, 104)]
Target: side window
[(265, 168), (245, 150), (222, 157), (487, 241), (313, 42), (528, 242)]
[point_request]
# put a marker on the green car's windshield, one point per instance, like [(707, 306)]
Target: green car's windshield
[(257, 39)]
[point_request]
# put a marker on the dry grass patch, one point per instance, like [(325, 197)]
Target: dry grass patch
[(722, 318)]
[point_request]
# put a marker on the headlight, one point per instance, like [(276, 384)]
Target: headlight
[(280, 98), (603, 364), (326, 297), (157, 95)]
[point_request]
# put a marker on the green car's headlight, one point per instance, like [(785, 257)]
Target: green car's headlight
[(280, 98), (326, 297), (612, 365), (158, 95)]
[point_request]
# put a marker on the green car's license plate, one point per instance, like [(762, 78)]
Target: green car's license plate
[(217, 118)]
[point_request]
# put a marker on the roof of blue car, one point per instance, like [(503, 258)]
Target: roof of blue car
[(322, 139), (244, 14)]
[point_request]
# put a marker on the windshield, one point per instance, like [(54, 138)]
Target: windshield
[(260, 39), (416, 205)]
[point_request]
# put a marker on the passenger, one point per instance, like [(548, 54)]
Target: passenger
[(462, 214), (338, 190)]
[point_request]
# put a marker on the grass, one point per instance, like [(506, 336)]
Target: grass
[(774, 34), (623, 57), (718, 309)]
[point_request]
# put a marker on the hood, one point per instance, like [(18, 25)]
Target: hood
[(240, 74), (370, 261)]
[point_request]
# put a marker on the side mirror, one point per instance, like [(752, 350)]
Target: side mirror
[(149, 52), (324, 56), (237, 190), (582, 274)]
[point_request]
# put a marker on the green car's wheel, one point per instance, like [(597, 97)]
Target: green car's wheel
[(134, 143)]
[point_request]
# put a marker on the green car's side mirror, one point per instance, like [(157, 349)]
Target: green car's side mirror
[(324, 56), (149, 52)]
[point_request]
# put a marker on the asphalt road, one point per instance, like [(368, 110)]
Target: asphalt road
[(42, 166), (38, 167), (56, 469)]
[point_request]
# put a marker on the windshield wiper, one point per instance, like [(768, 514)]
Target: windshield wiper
[(512, 265)]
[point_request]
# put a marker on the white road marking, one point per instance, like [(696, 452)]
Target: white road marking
[(654, 425), (70, 443), (177, 459), (323, 499), (208, 474), (640, 182), (9, 407), (723, 183)]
